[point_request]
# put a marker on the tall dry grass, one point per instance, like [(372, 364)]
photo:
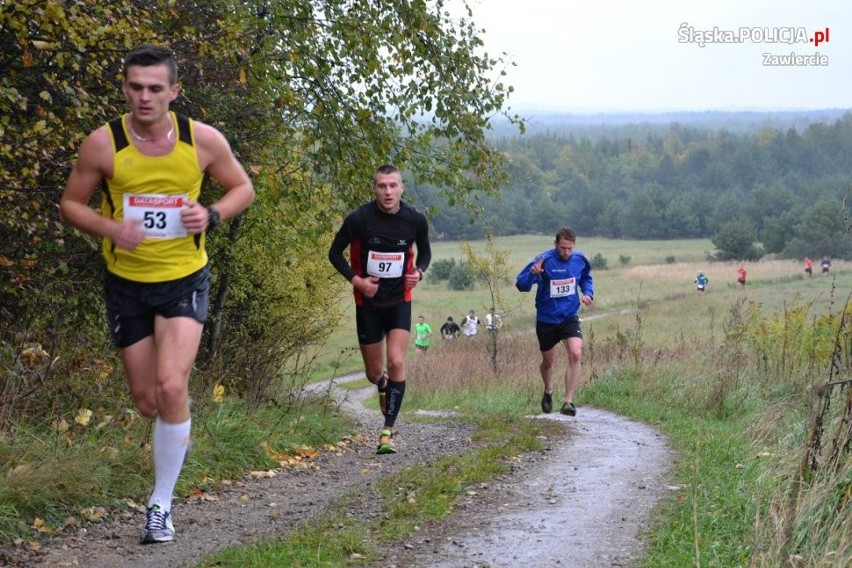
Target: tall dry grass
[(724, 274), (464, 366), (808, 520)]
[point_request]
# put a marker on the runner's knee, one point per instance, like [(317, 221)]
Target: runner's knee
[(396, 367), (173, 392), (147, 408)]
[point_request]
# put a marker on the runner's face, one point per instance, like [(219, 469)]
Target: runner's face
[(564, 248), (388, 189), (148, 92)]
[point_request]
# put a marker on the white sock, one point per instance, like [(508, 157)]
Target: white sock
[(170, 443)]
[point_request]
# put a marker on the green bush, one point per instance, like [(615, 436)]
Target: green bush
[(599, 262), (462, 277), (442, 268), (624, 259)]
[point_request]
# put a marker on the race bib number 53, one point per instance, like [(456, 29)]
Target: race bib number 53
[(159, 214), (562, 288), (385, 264)]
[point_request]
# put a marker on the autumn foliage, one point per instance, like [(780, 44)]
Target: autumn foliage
[(312, 96)]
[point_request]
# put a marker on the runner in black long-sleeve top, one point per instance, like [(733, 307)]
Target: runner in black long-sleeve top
[(381, 236)]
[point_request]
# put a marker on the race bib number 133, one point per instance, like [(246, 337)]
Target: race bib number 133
[(562, 288)]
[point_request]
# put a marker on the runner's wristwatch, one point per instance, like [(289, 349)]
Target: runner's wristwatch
[(213, 219)]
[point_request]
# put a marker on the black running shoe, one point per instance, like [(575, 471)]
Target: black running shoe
[(568, 409), (547, 403)]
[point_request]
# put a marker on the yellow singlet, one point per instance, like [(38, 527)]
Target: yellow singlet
[(153, 190)]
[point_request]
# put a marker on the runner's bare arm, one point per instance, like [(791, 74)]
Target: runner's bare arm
[(94, 163)]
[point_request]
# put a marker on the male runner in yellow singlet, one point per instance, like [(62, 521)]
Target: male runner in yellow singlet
[(151, 163)]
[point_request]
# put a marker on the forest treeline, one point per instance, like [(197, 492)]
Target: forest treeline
[(787, 190)]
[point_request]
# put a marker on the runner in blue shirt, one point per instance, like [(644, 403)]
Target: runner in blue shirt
[(564, 280), (701, 282)]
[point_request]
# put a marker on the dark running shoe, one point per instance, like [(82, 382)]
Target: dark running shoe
[(547, 403), (568, 409), (386, 443), (159, 527)]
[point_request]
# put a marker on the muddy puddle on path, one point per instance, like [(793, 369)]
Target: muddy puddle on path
[(587, 505)]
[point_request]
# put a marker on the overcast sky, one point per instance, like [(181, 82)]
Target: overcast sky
[(626, 55)]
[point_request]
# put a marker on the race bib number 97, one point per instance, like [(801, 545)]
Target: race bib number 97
[(562, 288), (385, 264), (159, 214)]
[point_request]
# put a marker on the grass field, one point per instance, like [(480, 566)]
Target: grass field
[(647, 280)]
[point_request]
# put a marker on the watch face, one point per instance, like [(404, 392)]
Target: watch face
[(212, 218)]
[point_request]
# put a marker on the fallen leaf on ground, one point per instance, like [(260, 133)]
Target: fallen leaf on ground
[(262, 474), (84, 416), (94, 514)]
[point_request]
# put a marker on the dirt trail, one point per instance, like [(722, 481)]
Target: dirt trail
[(581, 502), (586, 504)]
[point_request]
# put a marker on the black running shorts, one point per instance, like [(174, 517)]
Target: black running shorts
[(549, 334), (131, 306), (374, 323)]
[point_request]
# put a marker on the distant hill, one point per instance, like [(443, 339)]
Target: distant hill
[(631, 124)]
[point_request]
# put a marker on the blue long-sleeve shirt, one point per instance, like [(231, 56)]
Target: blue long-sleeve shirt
[(560, 286)]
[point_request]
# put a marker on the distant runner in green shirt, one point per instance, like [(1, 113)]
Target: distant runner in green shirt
[(422, 333)]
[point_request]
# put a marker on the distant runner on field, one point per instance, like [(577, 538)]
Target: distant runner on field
[(701, 282), (741, 276)]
